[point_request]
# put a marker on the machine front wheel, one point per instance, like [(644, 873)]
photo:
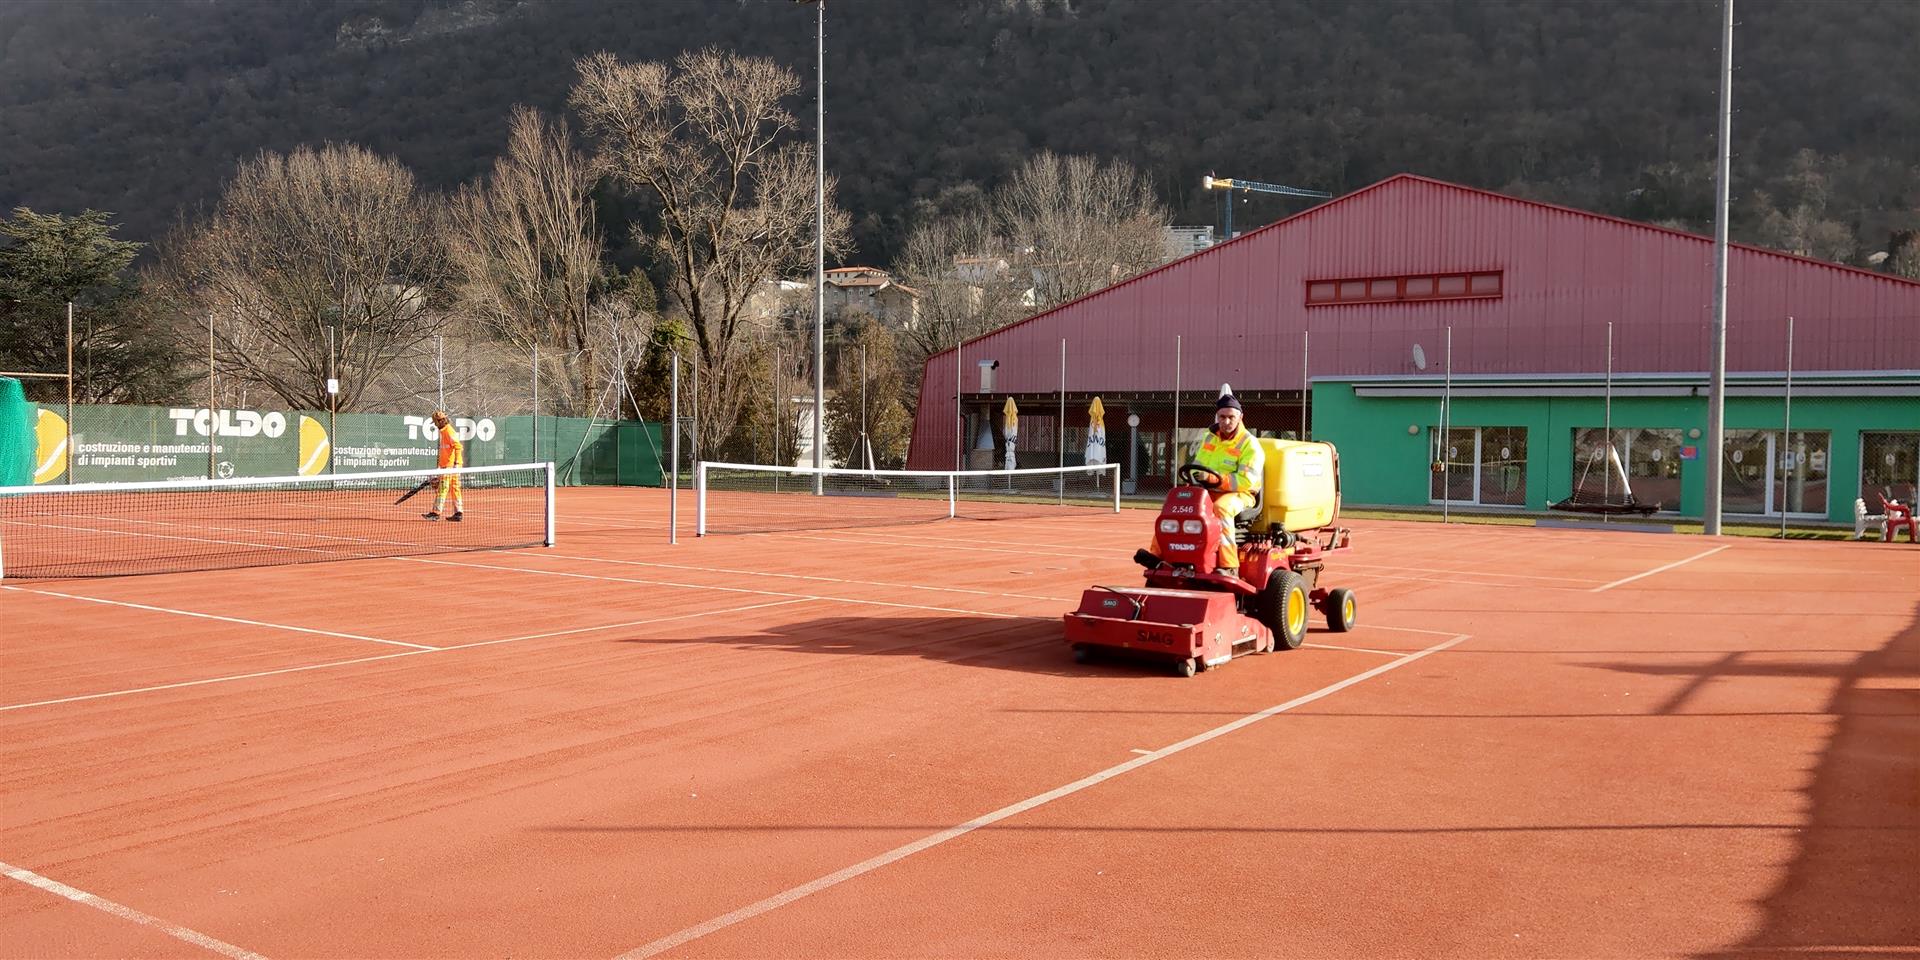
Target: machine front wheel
[(1341, 608), (1283, 609), (1187, 667)]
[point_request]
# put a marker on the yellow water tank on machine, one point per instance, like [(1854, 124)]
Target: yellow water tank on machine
[(1301, 487)]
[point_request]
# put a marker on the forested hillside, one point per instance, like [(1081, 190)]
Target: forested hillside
[(143, 108)]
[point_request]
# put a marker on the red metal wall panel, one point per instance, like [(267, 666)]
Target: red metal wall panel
[(1240, 310)]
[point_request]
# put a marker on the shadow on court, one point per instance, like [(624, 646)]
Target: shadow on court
[(1851, 887), (1023, 644)]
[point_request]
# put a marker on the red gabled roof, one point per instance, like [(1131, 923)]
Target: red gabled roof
[(1416, 178)]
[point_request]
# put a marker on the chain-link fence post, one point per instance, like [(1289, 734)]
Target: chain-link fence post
[(1446, 435), (673, 446), (1173, 445), (1795, 456), (1306, 386)]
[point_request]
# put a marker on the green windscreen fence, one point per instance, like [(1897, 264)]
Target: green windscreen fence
[(17, 446), (124, 443)]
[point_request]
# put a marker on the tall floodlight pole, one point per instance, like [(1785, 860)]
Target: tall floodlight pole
[(213, 408), (70, 433), (673, 454), (819, 238), (333, 401), (1173, 449), (865, 446), (959, 407), (1717, 353)]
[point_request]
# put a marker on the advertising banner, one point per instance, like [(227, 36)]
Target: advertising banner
[(112, 444)]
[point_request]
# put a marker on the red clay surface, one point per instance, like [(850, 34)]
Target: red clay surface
[(615, 745)]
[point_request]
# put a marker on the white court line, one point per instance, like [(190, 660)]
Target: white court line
[(922, 543), (1670, 566), (1515, 576), (215, 616), (124, 912), (804, 576), (389, 656), (174, 536), (1035, 544), (783, 898), (1451, 581), (1437, 633), (702, 586), (1332, 646), (1138, 750), (332, 517)]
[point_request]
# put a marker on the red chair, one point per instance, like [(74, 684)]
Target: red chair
[(1898, 515)]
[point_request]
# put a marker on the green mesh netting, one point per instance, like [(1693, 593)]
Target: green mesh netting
[(17, 445)]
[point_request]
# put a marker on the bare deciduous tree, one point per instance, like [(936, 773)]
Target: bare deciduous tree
[(525, 252), (330, 238), (966, 282), (1059, 228), (879, 404), (1077, 226), (1905, 261), (708, 137)]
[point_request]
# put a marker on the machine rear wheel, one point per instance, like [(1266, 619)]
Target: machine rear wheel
[(1082, 653), (1283, 609), (1187, 667), (1341, 609)]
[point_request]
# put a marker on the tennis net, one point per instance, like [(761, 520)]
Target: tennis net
[(120, 529), (750, 498)]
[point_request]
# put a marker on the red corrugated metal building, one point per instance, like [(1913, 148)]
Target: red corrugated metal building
[(1352, 286)]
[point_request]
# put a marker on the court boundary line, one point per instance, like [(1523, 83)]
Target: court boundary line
[(1335, 646), (222, 617), (1381, 626), (1040, 550), (1662, 569), (125, 912), (871, 864), (387, 656), (702, 586), (807, 576)]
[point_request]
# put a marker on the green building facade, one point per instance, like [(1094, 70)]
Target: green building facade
[(1523, 443)]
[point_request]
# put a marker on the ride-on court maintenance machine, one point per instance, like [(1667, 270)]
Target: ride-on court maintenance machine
[(1194, 617)]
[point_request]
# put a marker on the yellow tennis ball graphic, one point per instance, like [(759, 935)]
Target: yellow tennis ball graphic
[(314, 447), (50, 447)]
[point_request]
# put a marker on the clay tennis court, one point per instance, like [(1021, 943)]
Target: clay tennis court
[(862, 740)]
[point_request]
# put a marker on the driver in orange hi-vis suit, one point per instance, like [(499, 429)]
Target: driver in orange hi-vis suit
[(452, 454)]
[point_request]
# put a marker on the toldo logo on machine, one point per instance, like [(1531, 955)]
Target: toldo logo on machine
[(227, 423), (419, 428)]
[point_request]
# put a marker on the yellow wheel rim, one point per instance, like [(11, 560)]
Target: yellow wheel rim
[(1296, 610), (1346, 610)]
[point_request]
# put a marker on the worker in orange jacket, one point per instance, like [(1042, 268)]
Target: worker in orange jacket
[(452, 454), (1238, 465)]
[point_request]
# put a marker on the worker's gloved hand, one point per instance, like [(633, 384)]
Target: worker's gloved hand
[(1208, 479)]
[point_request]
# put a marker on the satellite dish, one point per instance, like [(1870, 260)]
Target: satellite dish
[(1419, 358)]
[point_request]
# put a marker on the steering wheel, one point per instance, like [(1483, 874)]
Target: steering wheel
[(1198, 475)]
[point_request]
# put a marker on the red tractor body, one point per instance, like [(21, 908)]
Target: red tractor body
[(1193, 616)]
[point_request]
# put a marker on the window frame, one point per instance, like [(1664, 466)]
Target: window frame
[(1334, 290)]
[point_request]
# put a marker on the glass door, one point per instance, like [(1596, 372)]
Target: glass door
[(1800, 474), (1746, 483), (1460, 473), (1889, 464), (1503, 466)]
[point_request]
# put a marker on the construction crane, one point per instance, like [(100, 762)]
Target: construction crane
[(1212, 182)]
